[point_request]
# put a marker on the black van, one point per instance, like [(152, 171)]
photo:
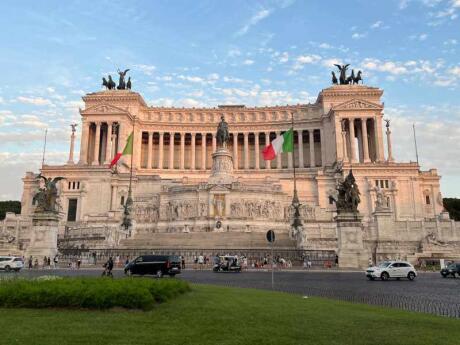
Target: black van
[(154, 264)]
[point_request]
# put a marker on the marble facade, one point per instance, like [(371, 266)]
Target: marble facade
[(176, 189)]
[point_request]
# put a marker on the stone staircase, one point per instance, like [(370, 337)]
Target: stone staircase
[(207, 240)]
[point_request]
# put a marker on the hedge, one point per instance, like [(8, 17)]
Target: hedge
[(91, 293)]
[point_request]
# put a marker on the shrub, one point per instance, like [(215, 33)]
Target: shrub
[(92, 293)]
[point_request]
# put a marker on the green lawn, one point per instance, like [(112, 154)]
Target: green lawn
[(217, 315)]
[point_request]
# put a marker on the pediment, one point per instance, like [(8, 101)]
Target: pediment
[(104, 109), (219, 188), (355, 104)]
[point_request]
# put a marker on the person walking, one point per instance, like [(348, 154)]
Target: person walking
[(30, 262), (201, 261), (182, 259), (55, 260), (108, 267), (49, 262), (78, 263)]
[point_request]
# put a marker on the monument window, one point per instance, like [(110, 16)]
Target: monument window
[(122, 201), (427, 199), (72, 210)]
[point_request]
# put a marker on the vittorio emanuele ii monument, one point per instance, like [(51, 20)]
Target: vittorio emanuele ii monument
[(185, 188)]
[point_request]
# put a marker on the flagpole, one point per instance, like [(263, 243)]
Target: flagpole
[(44, 148), (295, 199), (129, 200)]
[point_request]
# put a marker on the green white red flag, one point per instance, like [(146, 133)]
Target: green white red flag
[(283, 143), (128, 150)]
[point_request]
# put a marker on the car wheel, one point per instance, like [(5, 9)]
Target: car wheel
[(384, 276), (159, 274), (411, 276), (444, 275), (7, 268), (370, 278)]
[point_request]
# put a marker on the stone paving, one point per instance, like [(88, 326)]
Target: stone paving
[(429, 292)]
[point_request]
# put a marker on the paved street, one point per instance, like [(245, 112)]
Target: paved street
[(428, 293)]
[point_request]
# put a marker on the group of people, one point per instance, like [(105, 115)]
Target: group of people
[(47, 263)]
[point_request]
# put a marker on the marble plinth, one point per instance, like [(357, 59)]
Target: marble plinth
[(43, 241), (351, 250)]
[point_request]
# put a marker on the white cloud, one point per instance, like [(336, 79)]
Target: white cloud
[(284, 57), (377, 24), (213, 77), (192, 79), (146, 69), (305, 59), (358, 36), (164, 78), (34, 100), (264, 13), (450, 42), (325, 46), (234, 52), (248, 62)]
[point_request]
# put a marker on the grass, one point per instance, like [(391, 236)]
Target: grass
[(221, 316), (91, 293)]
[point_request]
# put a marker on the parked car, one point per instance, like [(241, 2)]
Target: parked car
[(158, 265), (451, 269), (227, 263), (391, 269), (11, 263)]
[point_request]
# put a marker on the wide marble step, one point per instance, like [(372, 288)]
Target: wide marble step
[(207, 240)]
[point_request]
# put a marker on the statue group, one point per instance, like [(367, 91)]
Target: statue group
[(122, 85), (348, 195), (46, 197), (344, 79)]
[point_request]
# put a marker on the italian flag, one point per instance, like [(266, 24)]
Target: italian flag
[(284, 143), (128, 150)]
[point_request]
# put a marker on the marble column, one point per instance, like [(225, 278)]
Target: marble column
[(149, 150), (278, 157), (390, 151), (182, 151), (365, 140), (114, 141), (312, 147), (235, 151), (300, 143), (171, 151), (352, 141), (84, 143), (267, 143), (160, 150), (257, 150), (203, 151), (376, 140), (108, 146), (72, 144), (214, 142), (97, 144), (246, 150), (344, 143), (192, 159), (322, 147)]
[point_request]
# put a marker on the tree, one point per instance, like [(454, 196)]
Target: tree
[(9, 206), (452, 205)]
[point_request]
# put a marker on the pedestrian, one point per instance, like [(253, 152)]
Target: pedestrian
[(49, 262), (369, 262), (94, 258), (183, 262), (309, 263), (30, 262), (45, 262), (201, 261), (108, 266), (55, 260), (117, 261), (78, 263), (36, 263), (127, 260)]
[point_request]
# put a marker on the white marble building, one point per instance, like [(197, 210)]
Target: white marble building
[(177, 206)]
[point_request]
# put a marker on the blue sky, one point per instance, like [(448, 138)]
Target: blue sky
[(204, 53)]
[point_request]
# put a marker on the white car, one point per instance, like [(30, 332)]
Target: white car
[(9, 263), (392, 269)]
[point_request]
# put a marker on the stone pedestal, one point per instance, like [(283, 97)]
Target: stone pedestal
[(350, 241), (222, 167), (43, 241), (385, 224)]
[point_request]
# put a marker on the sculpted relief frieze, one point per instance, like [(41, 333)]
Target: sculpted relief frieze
[(248, 208)]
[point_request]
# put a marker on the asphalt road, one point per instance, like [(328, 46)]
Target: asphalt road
[(429, 292)]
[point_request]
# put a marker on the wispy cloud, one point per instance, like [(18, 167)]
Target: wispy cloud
[(256, 18)]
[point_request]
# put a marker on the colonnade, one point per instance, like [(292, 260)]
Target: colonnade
[(360, 140), (192, 150), (99, 142)]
